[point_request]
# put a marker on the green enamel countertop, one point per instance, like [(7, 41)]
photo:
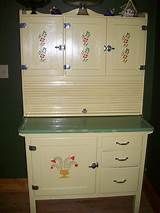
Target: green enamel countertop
[(84, 124)]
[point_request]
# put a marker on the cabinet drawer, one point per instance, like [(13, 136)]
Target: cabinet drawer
[(121, 142), (115, 180), (120, 158)]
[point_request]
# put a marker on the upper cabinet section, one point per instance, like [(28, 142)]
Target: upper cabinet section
[(61, 45), (42, 44), (85, 39), (74, 65), (126, 42), (73, 45)]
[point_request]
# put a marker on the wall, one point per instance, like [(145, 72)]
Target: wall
[(12, 154), (153, 152)]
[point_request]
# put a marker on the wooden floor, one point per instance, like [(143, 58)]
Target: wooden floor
[(19, 203)]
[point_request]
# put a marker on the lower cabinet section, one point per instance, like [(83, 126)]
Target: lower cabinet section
[(77, 165)]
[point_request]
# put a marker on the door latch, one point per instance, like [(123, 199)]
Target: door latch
[(60, 47), (108, 48), (93, 165), (32, 148), (67, 67)]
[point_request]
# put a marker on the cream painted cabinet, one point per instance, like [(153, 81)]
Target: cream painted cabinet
[(126, 44), (76, 71), (54, 45), (82, 165), (60, 165), (82, 65), (40, 41), (120, 159), (85, 39)]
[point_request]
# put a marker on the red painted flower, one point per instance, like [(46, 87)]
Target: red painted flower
[(53, 161), (72, 157)]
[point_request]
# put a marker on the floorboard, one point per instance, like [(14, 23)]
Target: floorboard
[(18, 202)]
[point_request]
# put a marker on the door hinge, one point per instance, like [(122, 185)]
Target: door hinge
[(32, 148), (22, 25), (35, 187), (142, 67), (24, 67), (67, 67), (144, 27), (67, 25)]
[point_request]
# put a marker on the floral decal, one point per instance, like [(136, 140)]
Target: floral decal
[(125, 50), (85, 51), (63, 166), (42, 49)]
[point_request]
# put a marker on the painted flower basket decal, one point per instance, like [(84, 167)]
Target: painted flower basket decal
[(63, 166), (125, 49), (86, 49), (42, 49)]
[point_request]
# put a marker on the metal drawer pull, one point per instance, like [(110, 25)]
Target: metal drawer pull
[(125, 143), (121, 159), (119, 181), (93, 165)]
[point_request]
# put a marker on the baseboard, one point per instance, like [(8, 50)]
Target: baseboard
[(13, 185), (151, 194)]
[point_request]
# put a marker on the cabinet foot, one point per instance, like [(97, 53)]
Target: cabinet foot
[(32, 206), (136, 203)]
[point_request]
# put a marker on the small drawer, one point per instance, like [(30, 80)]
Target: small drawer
[(121, 141), (120, 158), (119, 180)]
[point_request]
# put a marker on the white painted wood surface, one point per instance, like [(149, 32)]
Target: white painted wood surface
[(108, 179), (102, 83)]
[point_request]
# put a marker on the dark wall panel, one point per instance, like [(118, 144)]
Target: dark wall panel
[(153, 152)]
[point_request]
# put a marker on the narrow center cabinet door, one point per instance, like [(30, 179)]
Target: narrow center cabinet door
[(60, 165), (85, 39), (42, 45), (126, 46)]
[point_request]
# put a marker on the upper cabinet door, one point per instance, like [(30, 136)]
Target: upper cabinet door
[(42, 45), (85, 39), (125, 46)]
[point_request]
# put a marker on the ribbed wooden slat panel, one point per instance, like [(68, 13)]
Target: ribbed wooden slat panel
[(57, 97)]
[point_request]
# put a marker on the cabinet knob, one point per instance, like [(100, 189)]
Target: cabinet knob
[(84, 110), (93, 165)]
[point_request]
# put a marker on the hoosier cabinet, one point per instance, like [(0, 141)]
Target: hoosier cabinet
[(83, 81)]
